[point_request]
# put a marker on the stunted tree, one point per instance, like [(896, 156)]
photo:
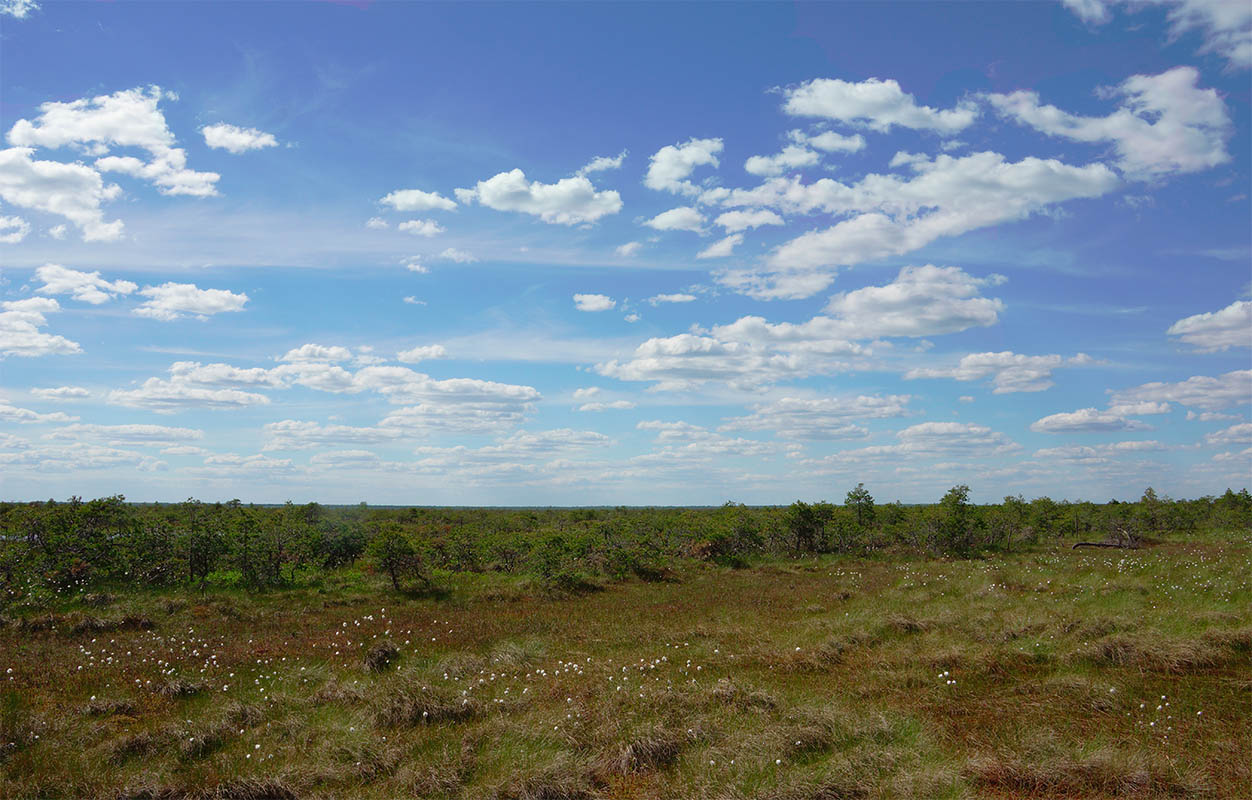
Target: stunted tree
[(245, 535), (955, 521), (395, 554), (1150, 512), (200, 539), (807, 524), (860, 501)]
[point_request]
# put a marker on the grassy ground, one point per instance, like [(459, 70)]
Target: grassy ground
[(1055, 673)]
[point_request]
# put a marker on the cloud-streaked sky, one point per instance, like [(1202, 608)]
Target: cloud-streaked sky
[(624, 253)]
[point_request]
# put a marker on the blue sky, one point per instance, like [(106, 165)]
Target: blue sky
[(624, 253)]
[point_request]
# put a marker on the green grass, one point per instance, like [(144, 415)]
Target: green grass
[(1052, 673)]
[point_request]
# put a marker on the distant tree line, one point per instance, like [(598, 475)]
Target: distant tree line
[(66, 546)]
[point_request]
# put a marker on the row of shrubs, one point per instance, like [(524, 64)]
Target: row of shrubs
[(75, 545)]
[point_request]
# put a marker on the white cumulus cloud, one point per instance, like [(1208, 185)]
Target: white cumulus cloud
[(1165, 124), (421, 227), (422, 353), (830, 142), (88, 287), (234, 139), (611, 405), (593, 302), (1217, 330), (20, 321), (168, 396), (722, 247), (16, 227), (1009, 372), (669, 167), (128, 118), (73, 191), (1226, 25), (18, 9), (1235, 434), (820, 418), (1199, 391), (316, 353), (459, 256), (791, 157), (1087, 420), (171, 301), (24, 416), (671, 298), (61, 393), (735, 221), (569, 201), (876, 104), (921, 301), (682, 218), (601, 163), (417, 200), (890, 214)]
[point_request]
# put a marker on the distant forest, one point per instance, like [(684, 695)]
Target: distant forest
[(56, 547)]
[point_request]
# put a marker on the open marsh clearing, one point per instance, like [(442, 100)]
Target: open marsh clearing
[(1048, 673)]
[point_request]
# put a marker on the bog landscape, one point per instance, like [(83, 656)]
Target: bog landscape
[(200, 650), (648, 400)]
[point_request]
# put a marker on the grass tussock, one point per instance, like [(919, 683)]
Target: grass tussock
[(41, 623), (460, 665), (1080, 692), (729, 693), (819, 658), (1173, 655), (108, 708), (825, 789), (563, 780), (229, 789), (902, 623), (93, 625), (1101, 774), (177, 687), (409, 706), (253, 789), (1237, 642), (657, 749), (381, 655), (206, 739), (453, 769), (98, 599), (336, 691), (368, 762), (137, 744), (515, 655), (19, 726)]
